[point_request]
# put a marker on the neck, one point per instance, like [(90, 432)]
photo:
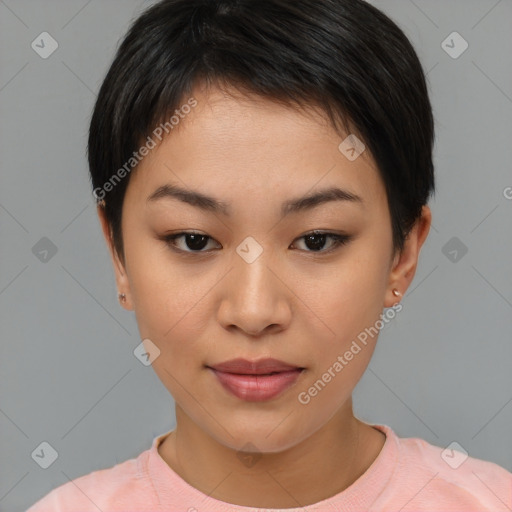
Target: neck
[(295, 477)]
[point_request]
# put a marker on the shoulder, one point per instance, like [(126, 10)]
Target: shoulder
[(120, 487), (428, 475)]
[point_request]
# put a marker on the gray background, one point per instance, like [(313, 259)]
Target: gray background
[(442, 368)]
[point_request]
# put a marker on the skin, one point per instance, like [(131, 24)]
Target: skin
[(292, 303)]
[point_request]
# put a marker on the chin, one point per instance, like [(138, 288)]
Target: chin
[(263, 437)]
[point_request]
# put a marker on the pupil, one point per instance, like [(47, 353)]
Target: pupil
[(198, 241), (316, 246)]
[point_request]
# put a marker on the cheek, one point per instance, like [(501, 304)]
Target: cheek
[(173, 311), (333, 385), (349, 297), (163, 292), (173, 316), (350, 303), (344, 355)]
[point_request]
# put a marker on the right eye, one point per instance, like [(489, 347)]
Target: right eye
[(192, 242)]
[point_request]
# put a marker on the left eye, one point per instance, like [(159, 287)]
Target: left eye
[(195, 242), (316, 241)]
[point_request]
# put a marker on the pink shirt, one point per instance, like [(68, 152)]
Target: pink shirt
[(409, 475)]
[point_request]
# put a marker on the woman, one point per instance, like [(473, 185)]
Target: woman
[(262, 171)]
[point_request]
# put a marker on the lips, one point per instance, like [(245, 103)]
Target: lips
[(256, 381), (260, 367)]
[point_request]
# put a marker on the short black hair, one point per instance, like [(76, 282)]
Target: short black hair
[(344, 56)]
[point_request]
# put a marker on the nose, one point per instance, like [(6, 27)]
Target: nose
[(255, 297)]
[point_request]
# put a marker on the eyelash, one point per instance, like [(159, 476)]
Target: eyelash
[(338, 241)]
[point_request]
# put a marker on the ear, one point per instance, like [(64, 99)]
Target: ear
[(404, 264), (123, 285)]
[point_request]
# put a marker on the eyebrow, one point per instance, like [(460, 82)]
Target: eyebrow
[(211, 204)]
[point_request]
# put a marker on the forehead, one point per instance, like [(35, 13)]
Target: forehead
[(243, 145)]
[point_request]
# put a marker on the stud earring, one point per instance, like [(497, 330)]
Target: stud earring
[(122, 297), (396, 293)]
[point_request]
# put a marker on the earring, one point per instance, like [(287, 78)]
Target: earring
[(122, 297), (396, 293)]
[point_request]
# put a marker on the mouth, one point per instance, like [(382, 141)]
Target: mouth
[(265, 366), (256, 381)]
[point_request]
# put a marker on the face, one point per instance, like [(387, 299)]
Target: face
[(255, 282)]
